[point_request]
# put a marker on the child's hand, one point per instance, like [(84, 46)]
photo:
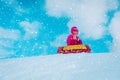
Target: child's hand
[(78, 39)]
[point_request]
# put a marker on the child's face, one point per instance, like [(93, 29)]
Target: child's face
[(75, 33)]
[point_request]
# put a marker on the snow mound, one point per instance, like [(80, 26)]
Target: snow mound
[(62, 67)]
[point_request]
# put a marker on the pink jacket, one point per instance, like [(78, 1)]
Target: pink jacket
[(71, 41)]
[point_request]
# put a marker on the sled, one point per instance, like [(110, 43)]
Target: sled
[(74, 49)]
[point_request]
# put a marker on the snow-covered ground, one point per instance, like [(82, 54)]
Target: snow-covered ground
[(104, 66)]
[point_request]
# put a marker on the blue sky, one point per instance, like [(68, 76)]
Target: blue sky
[(37, 27)]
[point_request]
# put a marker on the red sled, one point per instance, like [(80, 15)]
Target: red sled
[(74, 49)]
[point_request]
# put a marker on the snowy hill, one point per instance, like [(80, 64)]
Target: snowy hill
[(62, 67)]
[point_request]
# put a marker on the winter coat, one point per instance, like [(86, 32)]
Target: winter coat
[(71, 41)]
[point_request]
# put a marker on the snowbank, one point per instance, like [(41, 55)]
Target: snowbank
[(62, 67)]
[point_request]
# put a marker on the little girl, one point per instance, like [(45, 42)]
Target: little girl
[(73, 38)]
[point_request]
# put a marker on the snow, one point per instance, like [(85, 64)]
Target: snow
[(103, 66)]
